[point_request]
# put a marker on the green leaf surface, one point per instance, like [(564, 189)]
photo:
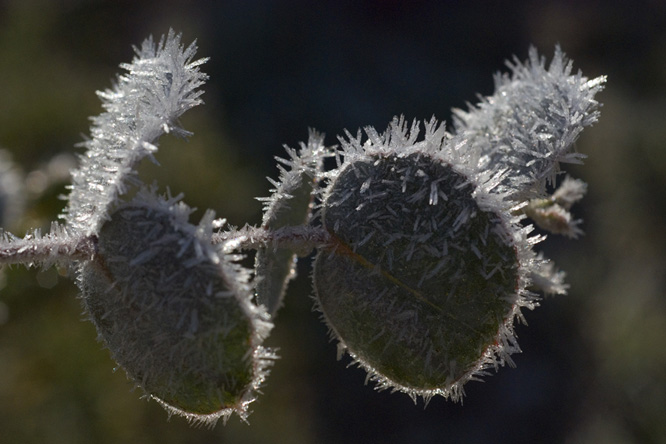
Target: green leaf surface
[(419, 279)]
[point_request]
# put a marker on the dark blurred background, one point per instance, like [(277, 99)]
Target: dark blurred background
[(593, 367)]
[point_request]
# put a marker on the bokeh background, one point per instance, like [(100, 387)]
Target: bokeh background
[(593, 367)]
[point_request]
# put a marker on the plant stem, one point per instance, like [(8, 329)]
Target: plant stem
[(46, 250), (299, 239)]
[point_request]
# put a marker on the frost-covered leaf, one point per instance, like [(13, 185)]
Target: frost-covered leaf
[(545, 278), (552, 214), (426, 271), (529, 125), (160, 84), (289, 205), (174, 313), (569, 192)]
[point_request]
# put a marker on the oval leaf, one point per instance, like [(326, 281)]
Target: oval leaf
[(419, 281), (172, 315)]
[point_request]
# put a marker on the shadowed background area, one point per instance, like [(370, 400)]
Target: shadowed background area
[(592, 367)]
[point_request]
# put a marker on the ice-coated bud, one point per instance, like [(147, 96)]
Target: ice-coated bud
[(420, 284), (175, 314)]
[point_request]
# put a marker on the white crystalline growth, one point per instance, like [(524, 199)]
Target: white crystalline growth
[(529, 125), (160, 84)]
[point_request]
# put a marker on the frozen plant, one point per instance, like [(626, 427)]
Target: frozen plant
[(425, 255)]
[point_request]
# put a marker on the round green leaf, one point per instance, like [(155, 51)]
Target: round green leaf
[(419, 280)]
